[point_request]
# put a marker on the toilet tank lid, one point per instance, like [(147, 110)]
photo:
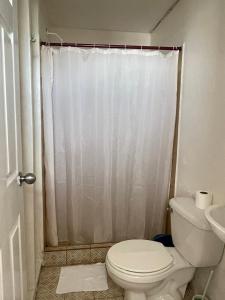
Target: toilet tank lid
[(185, 207)]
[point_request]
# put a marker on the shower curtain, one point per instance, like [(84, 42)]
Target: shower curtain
[(109, 118)]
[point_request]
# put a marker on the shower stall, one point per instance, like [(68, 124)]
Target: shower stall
[(109, 121)]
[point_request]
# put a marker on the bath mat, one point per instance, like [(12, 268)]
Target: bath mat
[(82, 278)]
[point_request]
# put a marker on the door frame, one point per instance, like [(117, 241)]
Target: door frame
[(30, 95)]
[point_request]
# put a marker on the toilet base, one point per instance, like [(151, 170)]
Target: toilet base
[(168, 292), (132, 295)]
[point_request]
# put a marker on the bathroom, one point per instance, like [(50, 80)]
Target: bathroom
[(43, 230)]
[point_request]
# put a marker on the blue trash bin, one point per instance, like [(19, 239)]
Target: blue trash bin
[(165, 239)]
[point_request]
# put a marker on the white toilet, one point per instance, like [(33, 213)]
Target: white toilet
[(148, 270)]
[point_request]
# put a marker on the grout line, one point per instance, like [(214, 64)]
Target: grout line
[(164, 16), (89, 257)]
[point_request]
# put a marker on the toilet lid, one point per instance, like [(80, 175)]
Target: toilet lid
[(141, 256)]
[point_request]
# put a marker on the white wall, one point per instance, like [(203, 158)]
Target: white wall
[(42, 19), (100, 36), (200, 24)]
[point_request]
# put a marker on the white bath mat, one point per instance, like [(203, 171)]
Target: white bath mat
[(82, 278)]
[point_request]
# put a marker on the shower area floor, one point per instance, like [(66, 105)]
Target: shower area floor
[(55, 258)]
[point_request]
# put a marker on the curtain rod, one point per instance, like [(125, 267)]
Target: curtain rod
[(109, 46)]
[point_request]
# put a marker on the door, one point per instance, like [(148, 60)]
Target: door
[(12, 262)]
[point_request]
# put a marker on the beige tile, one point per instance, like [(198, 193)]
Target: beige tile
[(102, 245), (54, 258), (98, 255), (79, 296), (75, 257), (189, 293), (114, 291), (78, 247), (47, 284), (49, 297), (49, 277), (114, 298)]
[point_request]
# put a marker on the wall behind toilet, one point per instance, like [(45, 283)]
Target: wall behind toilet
[(200, 25)]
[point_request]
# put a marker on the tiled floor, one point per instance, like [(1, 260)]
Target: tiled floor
[(189, 293), (48, 281), (54, 258)]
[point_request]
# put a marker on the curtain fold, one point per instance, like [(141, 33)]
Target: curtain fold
[(109, 119), (49, 163)]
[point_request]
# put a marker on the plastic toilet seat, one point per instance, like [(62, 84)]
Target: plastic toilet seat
[(140, 257)]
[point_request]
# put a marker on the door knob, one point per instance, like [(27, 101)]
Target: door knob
[(29, 178)]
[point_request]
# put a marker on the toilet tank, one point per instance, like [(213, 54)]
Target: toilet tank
[(192, 234)]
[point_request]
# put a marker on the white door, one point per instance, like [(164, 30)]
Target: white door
[(12, 239)]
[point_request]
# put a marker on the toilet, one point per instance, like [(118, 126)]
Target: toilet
[(148, 270)]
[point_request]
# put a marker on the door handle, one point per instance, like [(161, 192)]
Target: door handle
[(28, 178)]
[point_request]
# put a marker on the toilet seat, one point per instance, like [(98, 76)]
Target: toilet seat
[(140, 257), (145, 276)]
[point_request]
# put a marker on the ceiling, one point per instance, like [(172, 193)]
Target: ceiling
[(115, 15)]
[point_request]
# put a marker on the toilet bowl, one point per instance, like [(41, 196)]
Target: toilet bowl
[(148, 270)]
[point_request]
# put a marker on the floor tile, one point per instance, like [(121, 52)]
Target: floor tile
[(80, 296), (114, 291), (98, 255), (75, 257), (117, 298), (189, 292), (47, 284), (54, 258), (49, 276), (49, 296)]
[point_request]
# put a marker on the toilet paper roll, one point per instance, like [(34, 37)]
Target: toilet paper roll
[(203, 199)]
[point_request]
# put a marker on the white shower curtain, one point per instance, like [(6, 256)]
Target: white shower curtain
[(109, 119)]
